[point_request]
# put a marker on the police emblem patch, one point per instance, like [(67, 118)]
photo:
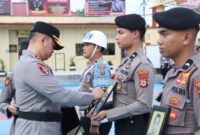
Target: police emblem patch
[(43, 68), (197, 86), (143, 76)]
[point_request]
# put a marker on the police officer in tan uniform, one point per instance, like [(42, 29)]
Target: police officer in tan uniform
[(7, 98), (38, 95), (135, 75), (97, 74), (178, 28)]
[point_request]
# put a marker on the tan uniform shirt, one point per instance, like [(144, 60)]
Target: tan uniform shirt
[(38, 91), (182, 94), (7, 95), (134, 92)]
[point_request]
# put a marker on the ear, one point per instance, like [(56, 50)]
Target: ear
[(135, 33), (98, 49), (188, 38)]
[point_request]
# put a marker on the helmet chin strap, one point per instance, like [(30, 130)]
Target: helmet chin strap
[(92, 53)]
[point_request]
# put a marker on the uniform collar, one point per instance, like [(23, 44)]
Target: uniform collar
[(26, 52), (175, 71), (99, 60), (140, 51)]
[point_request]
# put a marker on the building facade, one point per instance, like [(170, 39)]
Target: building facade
[(14, 29)]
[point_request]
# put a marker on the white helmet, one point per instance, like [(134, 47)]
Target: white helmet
[(96, 37)]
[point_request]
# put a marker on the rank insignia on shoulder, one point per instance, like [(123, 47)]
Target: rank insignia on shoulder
[(143, 76), (43, 68), (7, 81)]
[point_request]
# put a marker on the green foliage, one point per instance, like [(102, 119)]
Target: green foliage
[(80, 12), (110, 63), (72, 63), (2, 65)]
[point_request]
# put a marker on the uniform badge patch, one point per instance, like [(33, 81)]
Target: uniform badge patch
[(173, 115), (43, 68), (197, 86), (143, 76), (174, 101), (182, 80), (102, 70)]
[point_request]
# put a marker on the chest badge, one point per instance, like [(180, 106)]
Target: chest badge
[(182, 80), (173, 115)]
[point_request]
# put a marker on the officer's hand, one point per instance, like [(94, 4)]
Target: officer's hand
[(13, 109), (97, 93), (101, 115), (94, 130)]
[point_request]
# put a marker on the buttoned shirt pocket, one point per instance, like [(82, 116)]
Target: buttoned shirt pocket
[(177, 109)]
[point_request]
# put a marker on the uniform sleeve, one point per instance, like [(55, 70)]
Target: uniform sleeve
[(6, 98), (196, 99), (41, 80), (101, 77), (144, 82)]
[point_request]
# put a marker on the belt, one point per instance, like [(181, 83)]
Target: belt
[(41, 116), (135, 118)]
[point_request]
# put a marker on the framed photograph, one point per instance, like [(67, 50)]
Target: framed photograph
[(157, 120)]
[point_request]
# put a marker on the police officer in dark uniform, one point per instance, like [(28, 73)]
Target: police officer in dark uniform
[(178, 28), (135, 76), (38, 95)]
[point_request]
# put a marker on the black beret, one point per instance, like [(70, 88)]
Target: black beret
[(130, 22), (49, 30), (178, 19)]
